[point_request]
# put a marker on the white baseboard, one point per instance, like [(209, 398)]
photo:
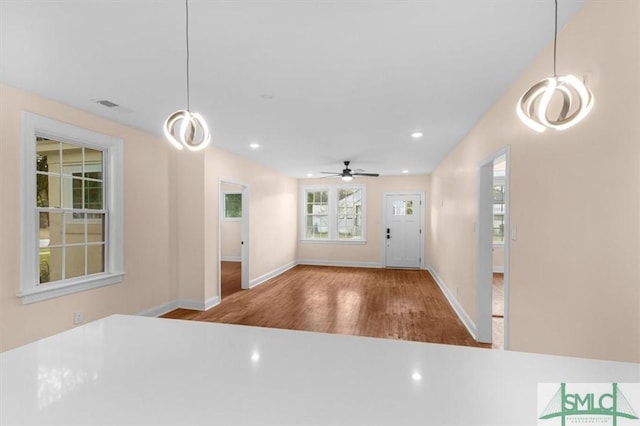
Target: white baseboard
[(230, 258), (159, 310), (185, 304), (199, 305), (257, 281), (345, 263), (462, 314), (498, 269)]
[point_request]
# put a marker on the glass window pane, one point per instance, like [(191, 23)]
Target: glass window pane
[(95, 227), (74, 261), (50, 229), (50, 264), (92, 163), (398, 208), (93, 195), (95, 258), (74, 228), (66, 184), (47, 152), (42, 190), (233, 205), (47, 191), (71, 158), (76, 188)]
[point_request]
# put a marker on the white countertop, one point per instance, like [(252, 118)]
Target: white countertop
[(137, 370)]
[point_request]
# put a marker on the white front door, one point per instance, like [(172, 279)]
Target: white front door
[(403, 232)]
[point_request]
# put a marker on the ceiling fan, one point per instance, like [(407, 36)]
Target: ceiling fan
[(347, 174)]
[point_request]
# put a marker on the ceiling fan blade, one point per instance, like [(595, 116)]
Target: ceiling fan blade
[(366, 174), (331, 173)]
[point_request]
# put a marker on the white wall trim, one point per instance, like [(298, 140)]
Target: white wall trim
[(257, 281), (211, 302), (198, 305), (345, 263), (498, 269), (462, 314), (159, 310), (231, 258)]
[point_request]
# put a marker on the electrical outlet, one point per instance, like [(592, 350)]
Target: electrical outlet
[(78, 317)]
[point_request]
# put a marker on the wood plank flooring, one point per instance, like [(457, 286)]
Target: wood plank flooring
[(387, 303), (230, 278)]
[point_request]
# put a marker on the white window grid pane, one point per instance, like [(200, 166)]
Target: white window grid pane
[(76, 170)]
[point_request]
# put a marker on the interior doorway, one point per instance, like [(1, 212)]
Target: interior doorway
[(493, 250), (233, 238)]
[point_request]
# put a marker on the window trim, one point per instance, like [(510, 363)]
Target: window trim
[(224, 207), (34, 125), (332, 189)]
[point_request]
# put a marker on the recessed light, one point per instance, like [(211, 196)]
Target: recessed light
[(416, 135), (254, 145), (309, 174), (404, 172), (416, 376)]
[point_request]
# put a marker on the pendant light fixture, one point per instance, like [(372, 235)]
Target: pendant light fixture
[(184, 128), (577, 100)]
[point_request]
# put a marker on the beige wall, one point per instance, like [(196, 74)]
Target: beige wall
[(150, 279), (574, 199), (371, 253)]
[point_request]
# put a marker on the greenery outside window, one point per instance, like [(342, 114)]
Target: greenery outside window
[(233, 205)]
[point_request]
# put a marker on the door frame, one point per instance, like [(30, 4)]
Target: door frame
[(385, 195), (244, 247), (484, 247)]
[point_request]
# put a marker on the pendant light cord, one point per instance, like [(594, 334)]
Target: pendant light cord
[(186, 4), (555, 42)]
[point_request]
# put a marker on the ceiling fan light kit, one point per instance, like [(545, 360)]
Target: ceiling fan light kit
[(347, 174), (184, 128), (577, 99)]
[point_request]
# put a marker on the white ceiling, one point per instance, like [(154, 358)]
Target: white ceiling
[(350, 80)]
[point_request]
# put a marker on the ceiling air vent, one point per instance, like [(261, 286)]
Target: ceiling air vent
[(107, 103)]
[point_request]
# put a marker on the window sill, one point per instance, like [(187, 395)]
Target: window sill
[(498, 244), (45, 292), (346, 242)]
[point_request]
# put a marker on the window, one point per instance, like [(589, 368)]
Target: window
[(498, 214), (72, 209), (334, 213), (233, 205)]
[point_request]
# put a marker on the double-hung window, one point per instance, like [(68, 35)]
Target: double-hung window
[(334, 213), (72, 209)]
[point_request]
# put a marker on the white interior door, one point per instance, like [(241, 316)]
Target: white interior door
[(403, 232)]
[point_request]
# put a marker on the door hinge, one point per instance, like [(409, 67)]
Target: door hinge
[(420, 202), (421, 231)]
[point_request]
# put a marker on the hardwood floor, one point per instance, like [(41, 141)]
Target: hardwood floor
[(395, 304), (230, 278)]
